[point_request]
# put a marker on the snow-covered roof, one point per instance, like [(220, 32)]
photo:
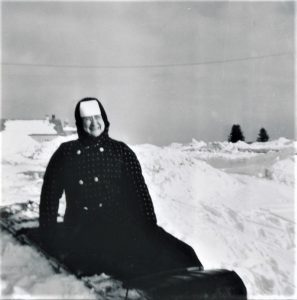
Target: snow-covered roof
[(30, 127)]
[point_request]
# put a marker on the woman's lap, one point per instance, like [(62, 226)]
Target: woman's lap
[(128, 255)]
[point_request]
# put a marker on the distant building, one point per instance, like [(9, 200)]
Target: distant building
[(40, 130), (58, 128)]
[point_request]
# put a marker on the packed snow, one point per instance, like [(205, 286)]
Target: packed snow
[(233, 203)]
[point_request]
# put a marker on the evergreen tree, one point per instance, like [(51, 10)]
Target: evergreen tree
[(236, 134), (262, 136)]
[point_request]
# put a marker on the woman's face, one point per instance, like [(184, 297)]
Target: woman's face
[(93, 125)]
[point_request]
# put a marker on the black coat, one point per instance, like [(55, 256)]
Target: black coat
[(103, 184)]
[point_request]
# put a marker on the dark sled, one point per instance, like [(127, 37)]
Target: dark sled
[(21, 221), (190, 284)]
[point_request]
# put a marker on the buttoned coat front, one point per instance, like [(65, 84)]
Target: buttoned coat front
[(103, 184)]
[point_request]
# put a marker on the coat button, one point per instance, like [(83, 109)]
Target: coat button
[(101, 149), (86, 208), (78, 152), (100, 204), (96, 179), (81, 182)]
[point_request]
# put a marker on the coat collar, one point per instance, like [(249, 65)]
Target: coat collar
[(92, 141)]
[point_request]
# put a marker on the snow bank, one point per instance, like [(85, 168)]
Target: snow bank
[(237, 149), (274, 145), (28, 276), (17, 146), (283, 171)]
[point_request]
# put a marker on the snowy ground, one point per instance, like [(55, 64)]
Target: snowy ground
[(234, 203)]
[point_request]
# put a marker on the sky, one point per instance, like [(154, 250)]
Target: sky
[(164, 71)]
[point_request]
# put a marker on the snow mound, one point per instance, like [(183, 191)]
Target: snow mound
[(198, 144), (181, 181), (30, 276), (273, 145), (283, 171), (240, 148), (17, 146)]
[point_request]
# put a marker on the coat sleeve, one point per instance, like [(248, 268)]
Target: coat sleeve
[(51, 192), (139, 193)]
